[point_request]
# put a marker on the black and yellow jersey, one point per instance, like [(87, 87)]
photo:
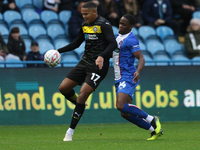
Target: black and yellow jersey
[(95, 37), (99, 41)]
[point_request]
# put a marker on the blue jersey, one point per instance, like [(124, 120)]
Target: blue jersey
[(123, 58)]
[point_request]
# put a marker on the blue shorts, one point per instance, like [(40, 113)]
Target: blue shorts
[(126, 86)]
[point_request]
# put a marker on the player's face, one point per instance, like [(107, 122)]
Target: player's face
[(89, 15), (124, 26)]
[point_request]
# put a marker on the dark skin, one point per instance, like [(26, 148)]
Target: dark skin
[(123, 98), (67, 84)]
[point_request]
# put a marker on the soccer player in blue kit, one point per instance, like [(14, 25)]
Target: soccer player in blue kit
[(127, 78)]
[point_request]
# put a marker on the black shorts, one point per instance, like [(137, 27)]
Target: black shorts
[(90, 74)]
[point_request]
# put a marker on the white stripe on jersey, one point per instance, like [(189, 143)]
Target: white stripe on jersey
[(116, 55)]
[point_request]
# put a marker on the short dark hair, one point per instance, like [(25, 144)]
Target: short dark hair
[(130, 18), (90, 5), (15, 30)]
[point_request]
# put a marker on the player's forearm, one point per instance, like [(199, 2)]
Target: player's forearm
[(69, 47), (141, 64), (111, 47)]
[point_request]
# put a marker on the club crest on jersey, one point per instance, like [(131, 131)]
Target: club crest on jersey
[(121, 42), (122, 85), (95, 29)]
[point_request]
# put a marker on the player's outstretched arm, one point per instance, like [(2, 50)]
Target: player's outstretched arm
[(73, 45)]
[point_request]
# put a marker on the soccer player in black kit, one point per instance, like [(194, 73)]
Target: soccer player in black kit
[(97, 32)]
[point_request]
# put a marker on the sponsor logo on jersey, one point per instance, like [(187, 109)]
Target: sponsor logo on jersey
[(86, 36), (92, 37)]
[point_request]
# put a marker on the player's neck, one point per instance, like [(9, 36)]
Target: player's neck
[(125, 34)]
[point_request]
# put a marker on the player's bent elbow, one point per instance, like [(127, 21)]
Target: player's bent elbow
[(61, 89)]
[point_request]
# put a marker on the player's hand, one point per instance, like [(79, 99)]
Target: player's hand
[(99, 62), (136, 77)]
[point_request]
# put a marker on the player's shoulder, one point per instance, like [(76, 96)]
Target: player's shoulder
[(132, 38), (102, 21)]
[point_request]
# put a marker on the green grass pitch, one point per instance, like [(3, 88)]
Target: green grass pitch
[(177, 136)]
